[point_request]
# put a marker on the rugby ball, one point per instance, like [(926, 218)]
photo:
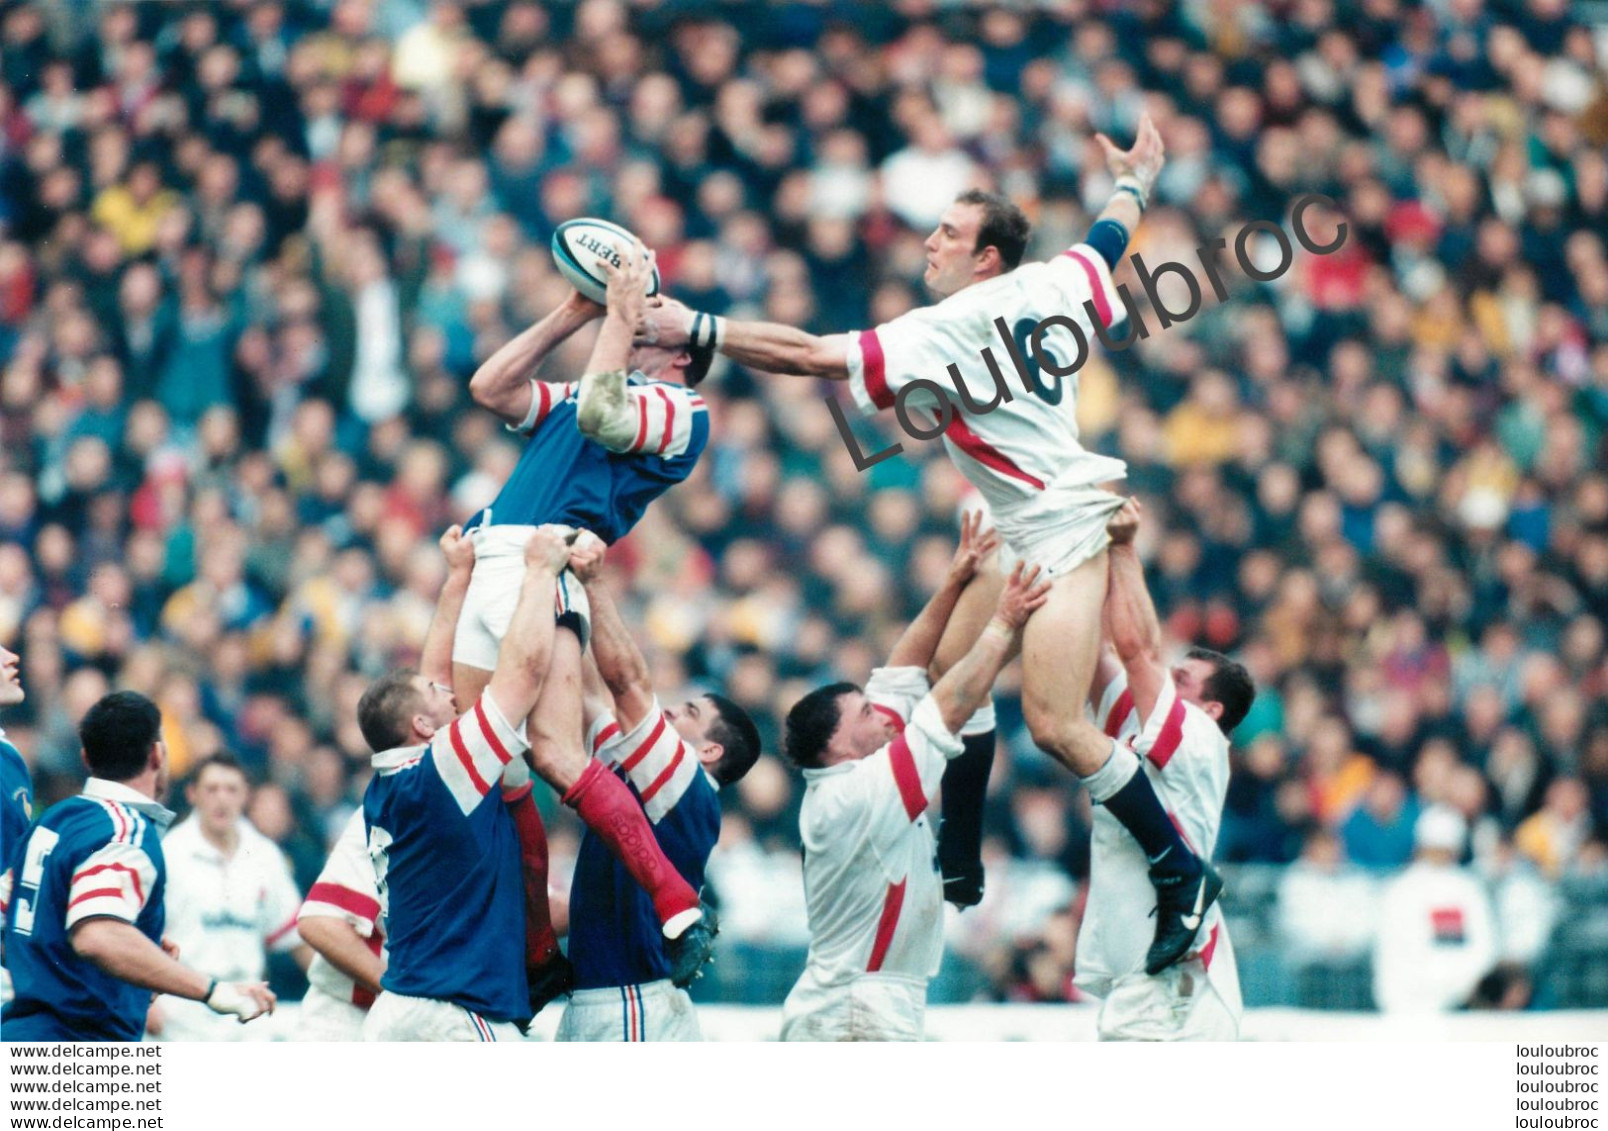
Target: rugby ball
[(581, 246)]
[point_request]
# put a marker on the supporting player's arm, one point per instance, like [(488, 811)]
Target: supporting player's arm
[(1132, 627), (528, 646), (920, 641), (343, 948), (435, 659), (120, 949), (766, 346), (620, 662), (966, 686), (503, 383)]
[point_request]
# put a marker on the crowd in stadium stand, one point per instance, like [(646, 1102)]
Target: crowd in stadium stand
[(252, 252)]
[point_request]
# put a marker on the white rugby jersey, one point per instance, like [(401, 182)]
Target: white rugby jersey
[(346, 890), (225, 914), (1186, 756), (1015, 450), (871, 880)]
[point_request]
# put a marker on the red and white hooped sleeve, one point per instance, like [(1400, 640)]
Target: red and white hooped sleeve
[(663, 416), (655, 759), (116, 881), (544, 395), (345, 889), (471, 753)]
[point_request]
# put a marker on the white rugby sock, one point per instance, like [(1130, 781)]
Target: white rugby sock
[(1117, 772)]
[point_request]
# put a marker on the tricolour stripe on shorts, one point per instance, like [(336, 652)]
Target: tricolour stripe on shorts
[(481, 1028), (631, 1014)]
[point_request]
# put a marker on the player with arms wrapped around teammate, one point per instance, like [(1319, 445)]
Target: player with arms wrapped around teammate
[(872, 761), (599, 451), (442, 839), (340, 920), (1171, 726), (676, 760), (1021, 451), (83, 932)]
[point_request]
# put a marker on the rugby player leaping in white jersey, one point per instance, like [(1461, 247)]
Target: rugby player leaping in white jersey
[(1019, 447)]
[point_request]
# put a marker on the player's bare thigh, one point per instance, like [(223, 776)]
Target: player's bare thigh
[(1059, 649), (972, 613), (557, 745)]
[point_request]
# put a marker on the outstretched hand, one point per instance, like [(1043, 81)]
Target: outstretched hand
[(1144, 160), (975, 546), (663, 322), (1023, 594)]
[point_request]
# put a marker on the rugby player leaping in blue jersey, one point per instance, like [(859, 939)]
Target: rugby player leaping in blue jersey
[(599, 451)]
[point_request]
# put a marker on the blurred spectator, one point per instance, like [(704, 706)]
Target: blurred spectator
[(1326, 911), (1437, 935)]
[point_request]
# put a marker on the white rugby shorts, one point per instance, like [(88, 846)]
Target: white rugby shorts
[(873, 1007), (396, 1017), (323, 1017), (1179, 1004), (1058, 529), (653, 1011), (488, 607)]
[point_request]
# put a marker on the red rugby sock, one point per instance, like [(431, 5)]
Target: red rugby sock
[(607, 806), (541, 942)]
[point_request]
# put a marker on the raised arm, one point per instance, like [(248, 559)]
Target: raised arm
[(435, 660), (528, 646), (619, 661), (1135, 172), (966, 685), (920, 640), (1132, 626), (603, 408), (503, 381), (767, 346)]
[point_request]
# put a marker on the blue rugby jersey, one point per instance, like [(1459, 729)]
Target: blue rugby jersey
[(615, 938), (564, 477), (16, 799), (446, 859), (94, 855)]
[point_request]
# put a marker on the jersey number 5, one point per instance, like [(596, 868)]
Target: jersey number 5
[(40, 845)]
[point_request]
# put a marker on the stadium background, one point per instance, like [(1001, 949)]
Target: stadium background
[(253, 251)]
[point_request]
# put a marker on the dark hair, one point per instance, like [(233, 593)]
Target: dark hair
[(1004, 225), (698, 368), (117, 734), (1229, 684), (384, 712), (224, 761), (812, 721), (734, 729)]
